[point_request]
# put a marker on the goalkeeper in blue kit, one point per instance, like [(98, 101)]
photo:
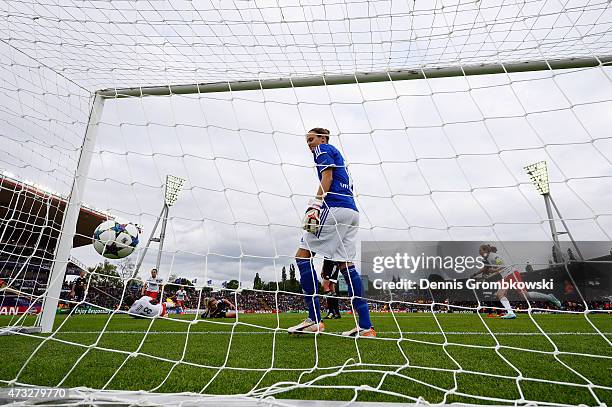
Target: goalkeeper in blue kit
[(330, 229)]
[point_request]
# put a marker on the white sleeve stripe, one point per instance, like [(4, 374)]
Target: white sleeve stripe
[(318, 152), (326, 167)]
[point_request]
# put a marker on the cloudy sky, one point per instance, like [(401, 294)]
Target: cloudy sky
[(432, 159)]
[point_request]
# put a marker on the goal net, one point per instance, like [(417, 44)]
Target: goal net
[(436, 107)]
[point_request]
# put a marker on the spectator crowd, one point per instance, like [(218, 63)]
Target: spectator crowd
[(259, 301)]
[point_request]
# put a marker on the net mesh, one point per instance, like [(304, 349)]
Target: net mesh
[(432, 159)]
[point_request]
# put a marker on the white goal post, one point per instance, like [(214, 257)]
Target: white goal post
[(360, 77), (69, 226)]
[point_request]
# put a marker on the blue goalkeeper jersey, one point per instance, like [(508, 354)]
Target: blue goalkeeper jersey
[(340, 192)]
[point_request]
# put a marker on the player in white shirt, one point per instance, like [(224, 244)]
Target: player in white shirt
[(180, 297), (147, 307), (494, 264), (153, 285)]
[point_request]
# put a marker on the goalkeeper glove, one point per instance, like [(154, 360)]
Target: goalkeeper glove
[(312, 218)]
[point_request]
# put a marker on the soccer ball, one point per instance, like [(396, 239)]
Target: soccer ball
[(115, 240)]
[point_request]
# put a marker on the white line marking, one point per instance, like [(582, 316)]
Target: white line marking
[(281, 331)]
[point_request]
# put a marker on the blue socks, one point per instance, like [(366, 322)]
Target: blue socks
[(310, 285), (355, 287)]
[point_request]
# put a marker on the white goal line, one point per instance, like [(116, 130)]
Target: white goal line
[(338, 333)]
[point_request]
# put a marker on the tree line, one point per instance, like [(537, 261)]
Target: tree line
[(290, 284), (108, 274)]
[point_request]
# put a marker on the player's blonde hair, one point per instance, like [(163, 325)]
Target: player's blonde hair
[(208, 302), (488, 248)]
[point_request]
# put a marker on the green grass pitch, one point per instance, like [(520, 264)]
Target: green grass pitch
[(418, 362)]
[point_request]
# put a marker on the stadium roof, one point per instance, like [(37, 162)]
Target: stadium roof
[(32, 217)]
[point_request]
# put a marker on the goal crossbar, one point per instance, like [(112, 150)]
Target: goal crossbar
[(360, 77)]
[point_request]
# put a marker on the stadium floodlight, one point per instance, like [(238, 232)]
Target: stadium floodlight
[(172, 191), (538, 173), (173, 188)]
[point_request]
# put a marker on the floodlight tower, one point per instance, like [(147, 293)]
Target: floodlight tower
[(171, 194), (538, 173)]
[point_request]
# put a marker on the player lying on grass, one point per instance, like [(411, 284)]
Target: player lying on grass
[(218, 308), (494, 265), (149, 307), (330, 225), (329, 274)]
